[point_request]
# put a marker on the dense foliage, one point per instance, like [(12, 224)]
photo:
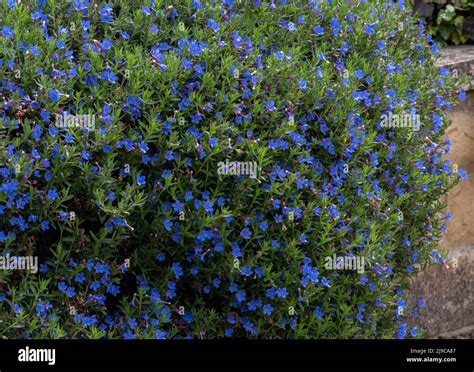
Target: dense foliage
[(140, 228), (450, 22)]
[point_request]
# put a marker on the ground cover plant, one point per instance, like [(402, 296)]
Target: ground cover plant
[(204, 169)]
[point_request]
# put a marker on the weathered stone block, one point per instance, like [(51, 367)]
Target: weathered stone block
[(448, 290)]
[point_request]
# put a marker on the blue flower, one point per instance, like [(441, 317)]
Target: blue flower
[(17, 309), (303, 239), (213, 142), (302, 84), (318, 312), (69, 291), (109, 76), (240, 296), (89, 320), (328, 146), (196, 49), (168, 225), (402, 331), (106, 44), (291, 26), (335, 26), (52, 194), (229, 331), (143, 147), (95, 285), (160, 257), (7, 32), (54, 95), (333, 212), (106, 13), (40, 309), (420, 303), (132, 322), (267, 309), (318, 30), (80, 278), (213, 25), (270, 106), (325, 282), (44, 225), (246, 233), (229, 3), (263, 226), (177, 270), (359, 74), (282, 292), (463, 174), (11, 4), (140, 180), (370, 29), (216, 283), (185, 103), (102, 268)]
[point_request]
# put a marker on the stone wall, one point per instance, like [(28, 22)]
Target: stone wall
[(448, 291)]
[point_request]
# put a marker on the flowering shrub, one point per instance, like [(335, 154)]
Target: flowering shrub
[(184, 169)]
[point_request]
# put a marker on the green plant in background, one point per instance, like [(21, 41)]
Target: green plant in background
[(451, 22)]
